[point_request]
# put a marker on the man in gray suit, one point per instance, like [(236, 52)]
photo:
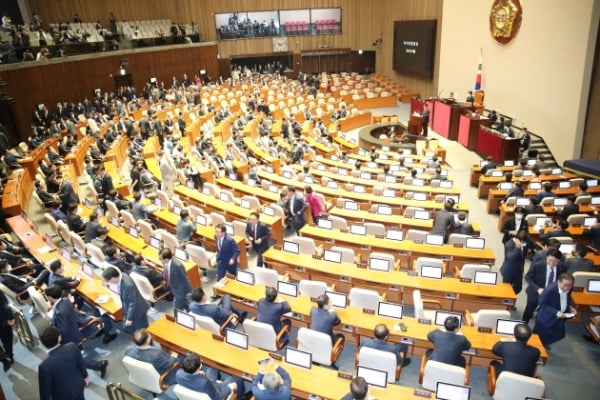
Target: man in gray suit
[(139, 210), (143, 350), (185, 227), (443, 221), (176, 280), (167, 170), (135, 307)]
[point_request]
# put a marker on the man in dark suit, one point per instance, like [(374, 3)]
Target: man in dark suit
[(568, 210), (7, 320), (258, 233), (143, 350), (192, 377), (67, 284), (75, 222), (556, 307), (62, 375), (517, 356), (514, 258), (443, 220), (516, 191), (296, 206), (593, 233), (323, 318), (534, 207), (270, 311), (69, 321), (539, 276), (105, 181), (359, 388), (448, 344), (462, 226), (218, 312), (560, 230), (91, 228), (227, 252), (176, 279), (381, 334), (489, 165), (577, 261), (514, 225), (135, 308), (66, 193), (275, 385)]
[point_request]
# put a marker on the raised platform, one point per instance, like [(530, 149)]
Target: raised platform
[(373, 136), (584, 166)]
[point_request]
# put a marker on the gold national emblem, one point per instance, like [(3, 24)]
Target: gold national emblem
[(505, 20)]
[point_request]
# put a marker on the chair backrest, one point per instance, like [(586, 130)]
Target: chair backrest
[(239, 228), (266, 276), (198, 255), (261, 335), (312, 288), (128, 219), (164, 199), (531, 218), (253, 200), (547, 201), (576, 219), (338, 222), (374, 228), (142, 374), (144, 286), (418, 304), (436, 371), (111, 209), (511, 201), (307, 245), (428, 261), (380, 360), (488, 318), (63, 231), (207, 323), (178, 202), (347, 253), (581, 278), (409, 212), (217, 218), (96, 255), (78, 244), (458, 238), (511, 386), (169, 240), (364, 298), (52, 222), (468, 270), (183, 393), (316, 343), (415, 234), (146, 230), (583, 199), (211, 188), (42, 306), (384, 256)]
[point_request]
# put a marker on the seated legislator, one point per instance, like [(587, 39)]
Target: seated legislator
[(192, 377), (448, 344), (69, 283), (359, 389), (271, 385), (560, 230), (91, 228), (593, 233), (539, 276), (517, 356), (218, 312), (545, 192), (19, 284), (568, 210), (270, 311), (323, 318), (576, 261), (381, 334), (461, 225), (139, 210), (143, 350), (74, 221)]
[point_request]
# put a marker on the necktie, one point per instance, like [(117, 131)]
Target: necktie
[(220, 243), (167, 277), (255, 232), (550, 277)]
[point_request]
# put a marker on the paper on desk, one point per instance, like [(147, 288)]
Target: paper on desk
[(102, 299), (44, 249), (595, 308)]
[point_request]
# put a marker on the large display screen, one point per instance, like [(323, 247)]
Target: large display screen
[(247, 25), (414, 47)]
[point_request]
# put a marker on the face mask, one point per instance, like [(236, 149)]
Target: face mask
[(519, 216)]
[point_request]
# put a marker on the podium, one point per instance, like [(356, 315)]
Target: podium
[(447, 116), (490, 143), (468, 129), (415, 124)]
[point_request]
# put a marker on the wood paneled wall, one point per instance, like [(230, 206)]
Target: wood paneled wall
[(363, 21), (590, 147), (73, 80)]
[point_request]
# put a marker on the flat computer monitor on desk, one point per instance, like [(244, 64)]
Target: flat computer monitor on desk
[(448, 391), (288, 289), (237, 339), (298, 358), (201, 220), (440, 317), (373, 377)]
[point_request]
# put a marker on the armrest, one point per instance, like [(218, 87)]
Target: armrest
[(399, 365), (357, 259), (356, 357), (491, 379), (397, 265), (22, 301), (469, 320), (333, 287), (538, 244), (435, 302), (468, 372), (285, 329), (422, 368), (93, 321), (383, 296), (233, 395), (337, 349), (593, 249), (164, 375), (457, 271), (232, 318), (23, 267), (319, 250), (162, 296)]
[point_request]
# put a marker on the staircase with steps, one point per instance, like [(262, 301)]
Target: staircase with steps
[(539, 145)]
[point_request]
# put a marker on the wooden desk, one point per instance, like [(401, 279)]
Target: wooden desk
[(89, 288), (230, 211), (476, 173), (357, 324), (30, 161), (508, 211), (447, 118), (355, 121), (77, 155), (490, 143), (205, 234), (468, 129), (406, 251), (398, 285), (18, 188), (490, 182), (235, 361)]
